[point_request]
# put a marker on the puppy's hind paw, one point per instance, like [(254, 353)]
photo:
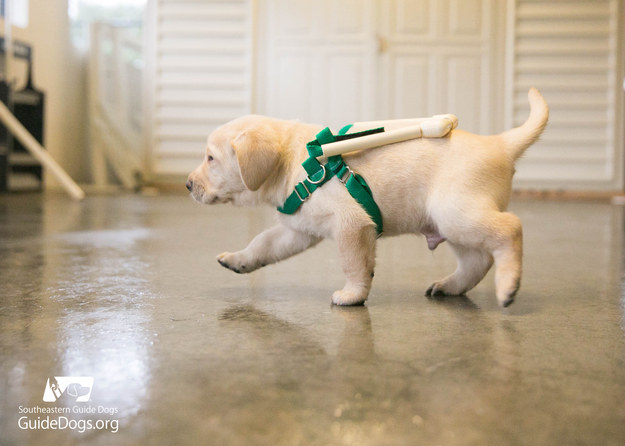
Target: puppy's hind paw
[(444, 288), (505, 299), (509, 301), (435, 290)]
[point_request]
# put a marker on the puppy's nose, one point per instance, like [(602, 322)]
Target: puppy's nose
[(189, 185)]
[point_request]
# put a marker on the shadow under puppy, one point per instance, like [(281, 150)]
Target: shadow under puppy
[(453, 189)]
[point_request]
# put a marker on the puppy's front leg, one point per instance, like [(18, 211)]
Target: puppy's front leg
[(271, 246), (357, 251)]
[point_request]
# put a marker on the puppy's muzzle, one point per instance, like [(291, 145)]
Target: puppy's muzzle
[(189, 185)]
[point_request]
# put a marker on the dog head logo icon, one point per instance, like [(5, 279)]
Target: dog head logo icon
[(70, 389)]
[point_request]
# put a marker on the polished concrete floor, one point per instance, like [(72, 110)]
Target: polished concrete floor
[(126, 291)]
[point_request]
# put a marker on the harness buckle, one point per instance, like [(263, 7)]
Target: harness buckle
[(349, 172), (308, 191)]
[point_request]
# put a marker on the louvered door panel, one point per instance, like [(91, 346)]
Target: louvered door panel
[(569, 50), (202, 77)]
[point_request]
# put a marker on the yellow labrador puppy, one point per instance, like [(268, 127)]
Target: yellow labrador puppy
[(453, 189)]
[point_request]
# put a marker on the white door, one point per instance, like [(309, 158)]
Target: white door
[(338, 61), (316, 60), (439, 57)]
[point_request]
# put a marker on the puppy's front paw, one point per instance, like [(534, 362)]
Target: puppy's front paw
[(235, 262), (348, 298)]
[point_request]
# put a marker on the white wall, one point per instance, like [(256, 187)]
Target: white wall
[(325, 60), (59, 71)]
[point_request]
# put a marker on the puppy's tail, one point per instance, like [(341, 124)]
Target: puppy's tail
[(518, 139)]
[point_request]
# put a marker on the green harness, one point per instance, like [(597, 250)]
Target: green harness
[(319, 174)]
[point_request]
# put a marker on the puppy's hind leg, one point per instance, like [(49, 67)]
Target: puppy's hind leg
[(473, 264), (500, 234), (507, 248), (357, 252)]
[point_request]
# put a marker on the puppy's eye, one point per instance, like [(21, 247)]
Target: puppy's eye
[(210, 157)]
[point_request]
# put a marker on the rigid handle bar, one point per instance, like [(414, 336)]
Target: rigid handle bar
[(434, 127)]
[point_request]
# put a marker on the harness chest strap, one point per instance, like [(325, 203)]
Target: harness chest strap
[(319, 174)]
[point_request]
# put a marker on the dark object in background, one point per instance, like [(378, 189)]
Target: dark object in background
[(4, 143), (28, 107)]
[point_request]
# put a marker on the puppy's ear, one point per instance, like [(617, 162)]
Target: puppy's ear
[(258, 156)]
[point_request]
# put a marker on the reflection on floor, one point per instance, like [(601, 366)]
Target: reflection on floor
[(126, 290)]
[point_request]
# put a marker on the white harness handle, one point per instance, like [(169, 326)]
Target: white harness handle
[(435, 127)]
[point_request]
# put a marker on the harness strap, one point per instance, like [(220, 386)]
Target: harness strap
[(319, 174)]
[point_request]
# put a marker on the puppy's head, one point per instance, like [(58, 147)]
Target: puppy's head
[(240, 157)]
